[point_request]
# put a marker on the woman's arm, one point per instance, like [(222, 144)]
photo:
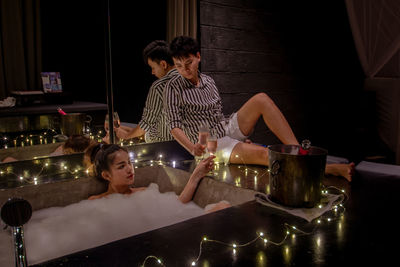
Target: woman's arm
[(201, 170)]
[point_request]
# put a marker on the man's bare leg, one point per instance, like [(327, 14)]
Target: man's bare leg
[(244, 153), (262, 105)]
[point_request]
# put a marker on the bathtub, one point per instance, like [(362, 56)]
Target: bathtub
[(68, 191)]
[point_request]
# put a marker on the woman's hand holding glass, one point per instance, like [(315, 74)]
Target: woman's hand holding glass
[(204, 167)]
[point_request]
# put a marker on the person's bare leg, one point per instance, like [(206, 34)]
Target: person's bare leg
[(341, 169), (244, 153), (262, 105)]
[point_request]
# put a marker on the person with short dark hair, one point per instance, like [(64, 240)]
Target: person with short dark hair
[(152, 124), (192, 99)]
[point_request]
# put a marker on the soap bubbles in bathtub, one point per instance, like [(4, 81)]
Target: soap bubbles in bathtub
[(91, 223)]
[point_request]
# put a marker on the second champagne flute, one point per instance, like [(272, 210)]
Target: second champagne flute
[(203, 135), (212, 145)]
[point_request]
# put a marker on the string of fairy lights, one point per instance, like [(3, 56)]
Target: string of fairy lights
[(50, 136), (338, 210), (26, 176)]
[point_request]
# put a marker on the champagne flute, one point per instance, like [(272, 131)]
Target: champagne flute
[(203, 135), (106, 126), (212, 148), (116, 120), (116, 123), (212, 145)]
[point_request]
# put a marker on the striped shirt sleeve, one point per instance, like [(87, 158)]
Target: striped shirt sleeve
[(152, 108), (172, 104)]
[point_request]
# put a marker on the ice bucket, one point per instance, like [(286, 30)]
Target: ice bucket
[(295, 178), (72, 123)]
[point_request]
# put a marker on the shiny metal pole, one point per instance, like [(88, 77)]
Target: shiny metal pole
[(109, 83), (19, 247)]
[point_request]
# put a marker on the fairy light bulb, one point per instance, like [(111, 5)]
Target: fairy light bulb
[(205, 238), (234, 245), (193, 263)]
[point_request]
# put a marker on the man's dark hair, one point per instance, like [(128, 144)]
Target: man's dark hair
[(184, 46), (157, 50)]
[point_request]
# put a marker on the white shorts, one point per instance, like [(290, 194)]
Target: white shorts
[(232, 137)]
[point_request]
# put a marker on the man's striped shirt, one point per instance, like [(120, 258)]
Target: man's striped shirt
[(154, 118), (189, 106)]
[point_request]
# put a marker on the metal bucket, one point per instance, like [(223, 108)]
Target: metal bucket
[(72, 123), (295, 179)]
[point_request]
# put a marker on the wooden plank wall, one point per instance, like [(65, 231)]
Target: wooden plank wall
[(241, 49)]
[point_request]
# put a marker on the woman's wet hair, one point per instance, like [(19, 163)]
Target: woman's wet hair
[(101, 155), (156, 51), (183, 46)]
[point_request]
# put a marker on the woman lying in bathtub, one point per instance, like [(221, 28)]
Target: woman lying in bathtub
[(111, 163)]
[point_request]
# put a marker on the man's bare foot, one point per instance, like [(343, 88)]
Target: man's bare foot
[(341, 169)]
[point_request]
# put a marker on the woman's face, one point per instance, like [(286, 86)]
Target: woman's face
[(121, 171)]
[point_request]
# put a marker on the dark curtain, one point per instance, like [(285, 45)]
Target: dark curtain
[(181, 18), (20, 46), (376, 31)]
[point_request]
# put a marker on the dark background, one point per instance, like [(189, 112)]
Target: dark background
[(74, 44), (300, 53)]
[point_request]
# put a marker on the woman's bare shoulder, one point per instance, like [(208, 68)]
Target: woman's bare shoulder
[(97, 196), (137, 189)]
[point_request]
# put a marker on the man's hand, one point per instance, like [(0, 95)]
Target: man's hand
[(198, 149)]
